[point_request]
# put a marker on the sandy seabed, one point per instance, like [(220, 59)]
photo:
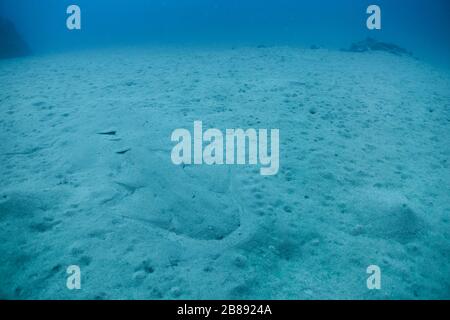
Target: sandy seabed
[(364, 175)]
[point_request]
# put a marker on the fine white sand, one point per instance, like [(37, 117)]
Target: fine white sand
[(364, 175)]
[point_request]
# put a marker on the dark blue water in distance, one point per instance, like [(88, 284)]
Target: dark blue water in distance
[(421, 26)]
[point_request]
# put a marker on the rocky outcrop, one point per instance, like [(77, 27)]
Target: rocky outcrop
[(11, 43), (370, 44)]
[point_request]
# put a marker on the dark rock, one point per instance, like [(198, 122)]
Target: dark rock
[(370, 44), (108, 133), (11, 43), (123, 151)]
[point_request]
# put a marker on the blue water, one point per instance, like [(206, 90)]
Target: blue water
[(421, 26)]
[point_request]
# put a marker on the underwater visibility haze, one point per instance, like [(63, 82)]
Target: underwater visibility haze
[(120, 176)]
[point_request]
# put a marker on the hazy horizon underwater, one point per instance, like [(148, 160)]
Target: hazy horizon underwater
[(218, 149)]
